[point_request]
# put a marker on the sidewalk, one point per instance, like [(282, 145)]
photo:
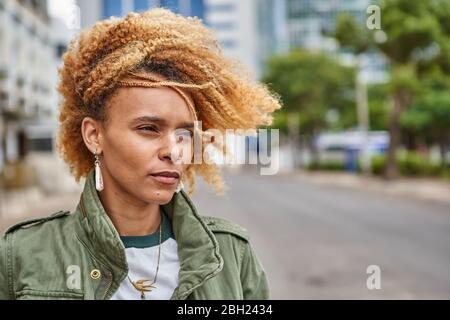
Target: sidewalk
[(55, 191), (16, 206), (422, 188)]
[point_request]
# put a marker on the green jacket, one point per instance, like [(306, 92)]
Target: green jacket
[(80, 255)]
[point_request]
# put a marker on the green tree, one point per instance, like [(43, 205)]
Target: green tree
[(378, 108), (417, 40), (356, 38), (428, 118), (310, 85), (352, 35)]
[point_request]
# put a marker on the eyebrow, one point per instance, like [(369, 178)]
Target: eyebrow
[(160, 120)]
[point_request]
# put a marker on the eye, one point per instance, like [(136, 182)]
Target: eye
[(148, 128), (184, 135)]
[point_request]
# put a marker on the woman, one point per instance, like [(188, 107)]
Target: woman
[(134, 93)]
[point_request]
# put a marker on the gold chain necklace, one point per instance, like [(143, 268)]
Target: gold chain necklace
[(140, 285)]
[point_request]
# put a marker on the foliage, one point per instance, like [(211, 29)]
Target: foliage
[(312, 84)]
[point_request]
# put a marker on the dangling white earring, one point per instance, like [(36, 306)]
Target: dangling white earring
[(179, 187), (98, 173)]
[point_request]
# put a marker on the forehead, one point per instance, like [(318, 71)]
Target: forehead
[(131, 102)]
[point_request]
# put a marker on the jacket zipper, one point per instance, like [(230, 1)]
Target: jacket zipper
[(109, 275)]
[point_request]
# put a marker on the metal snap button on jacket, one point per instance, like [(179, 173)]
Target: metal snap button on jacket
[(95, 274)]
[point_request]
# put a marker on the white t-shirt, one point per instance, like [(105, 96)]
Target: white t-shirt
[(142, 258)]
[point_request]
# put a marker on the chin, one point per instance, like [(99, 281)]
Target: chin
[(161, 196)]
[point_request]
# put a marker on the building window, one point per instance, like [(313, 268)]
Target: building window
[(60, 49), (112, 8), (41, 144), (226, 7), (198, 8), (172, 5), (228, 44), (223, 26), (141, 5)]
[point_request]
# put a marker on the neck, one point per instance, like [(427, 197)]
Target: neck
[(130, 216)]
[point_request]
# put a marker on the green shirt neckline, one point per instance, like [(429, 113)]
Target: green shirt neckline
[(150, 240)]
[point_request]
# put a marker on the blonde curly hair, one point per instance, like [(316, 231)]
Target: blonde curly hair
[(179, 48)]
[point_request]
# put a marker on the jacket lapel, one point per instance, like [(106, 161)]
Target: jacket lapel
[(198, 249)]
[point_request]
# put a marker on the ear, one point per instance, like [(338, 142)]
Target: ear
[(92, 134)]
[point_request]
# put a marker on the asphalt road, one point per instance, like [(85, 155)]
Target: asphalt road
[(316, 241)]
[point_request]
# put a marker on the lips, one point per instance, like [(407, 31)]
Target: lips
[(166, 177)]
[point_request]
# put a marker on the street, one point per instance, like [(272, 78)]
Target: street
[(317, 240)]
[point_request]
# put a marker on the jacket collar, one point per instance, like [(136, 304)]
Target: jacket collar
[(198, 249)]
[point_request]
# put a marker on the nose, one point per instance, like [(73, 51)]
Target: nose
[(171, 149)]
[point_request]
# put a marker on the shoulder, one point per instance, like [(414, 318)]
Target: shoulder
[(219, 225), (40, 236), (36, 225)]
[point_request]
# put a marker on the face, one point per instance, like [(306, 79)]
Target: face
[(146, 131)]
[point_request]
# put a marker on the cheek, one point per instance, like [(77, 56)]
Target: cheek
[(129, 150)]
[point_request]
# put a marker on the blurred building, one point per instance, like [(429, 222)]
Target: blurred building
[(311, 23), (248, 30), (235, 25), (26, 55), (94, 10), (30, 51), (272, 32), (310, 20)]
